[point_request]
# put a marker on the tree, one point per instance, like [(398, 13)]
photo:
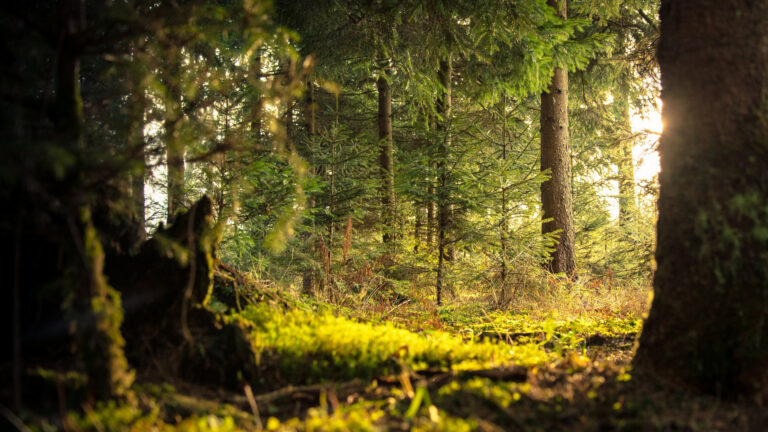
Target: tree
[(708, 325), (78, 132), (386, 162), (556, 196), (174, 147), (443, 205), (626, 166)]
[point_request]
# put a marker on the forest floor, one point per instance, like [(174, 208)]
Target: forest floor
[(411, 366)]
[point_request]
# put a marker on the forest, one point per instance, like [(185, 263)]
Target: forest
[(371, 215)]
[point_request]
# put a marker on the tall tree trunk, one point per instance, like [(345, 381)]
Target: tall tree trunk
[(626, 165), (174, 146), (138, 175), (289, 133), (556, 194), (97, 311), (708, 325), (431, 211), (418, 226), (386, 164), (328, 258), (287, 101), (309, 274), (138, 197), (445, 75), (504, 222), (310, 107), (256, 102), (219, 164)]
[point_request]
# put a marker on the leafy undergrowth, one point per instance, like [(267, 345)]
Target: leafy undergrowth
[(325, 368)]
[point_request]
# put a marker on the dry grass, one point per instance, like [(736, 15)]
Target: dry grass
[(584, 297)]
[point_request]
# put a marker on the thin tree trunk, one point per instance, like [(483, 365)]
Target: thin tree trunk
[(138, 175), (431, 211), (556, 193), (386, 164), (443, 206), (289, 120), (626, 166), (332, 200), (418, 226), (256, 103), (219, 165), (504, 222), (174, 146), (308, 277), (310, 108), (139, 197), (708, 325)]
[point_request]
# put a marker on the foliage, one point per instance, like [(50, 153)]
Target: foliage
[(311, 347), (269, 108)]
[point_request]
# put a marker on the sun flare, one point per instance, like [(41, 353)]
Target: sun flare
[(648, 126)]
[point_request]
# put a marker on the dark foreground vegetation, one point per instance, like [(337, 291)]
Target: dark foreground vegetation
[(383, 215)]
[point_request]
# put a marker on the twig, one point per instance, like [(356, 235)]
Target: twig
[(254, 407), (12, 419)]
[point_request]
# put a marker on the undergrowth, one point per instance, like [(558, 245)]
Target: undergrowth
[(412, 366), (314, 346)]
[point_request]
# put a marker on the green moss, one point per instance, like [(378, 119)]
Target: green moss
[(545, 329), (361, 416), (309, 347), (101, 348)]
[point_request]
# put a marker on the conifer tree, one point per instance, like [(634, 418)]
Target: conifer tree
[(556, 193)]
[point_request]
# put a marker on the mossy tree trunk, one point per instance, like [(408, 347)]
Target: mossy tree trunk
[(95, 308), (556, 194), (708, 325)]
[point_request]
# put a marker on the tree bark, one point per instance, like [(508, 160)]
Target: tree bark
[(431, 211), (174, 146), (96, 312), (708, 325), (418, 226), (138, 174), (309, 274), (445, 75), (137, 193), (386, 163), (256, 102), (504, 222), (310, 108), (626, 165), (556, 195)]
